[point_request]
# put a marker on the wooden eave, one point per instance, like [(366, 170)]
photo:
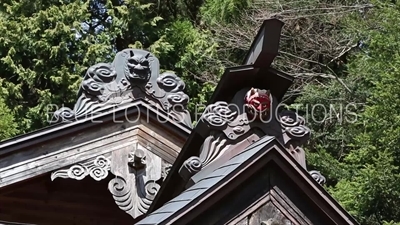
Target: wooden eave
[(15, 147), (176, 211), (21, 142)]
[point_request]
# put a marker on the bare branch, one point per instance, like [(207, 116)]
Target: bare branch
[(312, 42)]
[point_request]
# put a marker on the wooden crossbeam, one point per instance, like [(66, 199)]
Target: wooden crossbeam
[(256, 71), (265, 46)]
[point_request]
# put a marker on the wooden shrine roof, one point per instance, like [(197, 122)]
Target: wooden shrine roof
[(241, 166)]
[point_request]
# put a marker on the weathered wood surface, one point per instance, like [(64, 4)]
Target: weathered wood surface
[(268, 215), (135, 186), (244, 221), (102, 139), (62, 202), (266, 44)]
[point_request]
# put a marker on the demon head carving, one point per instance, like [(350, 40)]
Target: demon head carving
[(139, 67), (258, 103)]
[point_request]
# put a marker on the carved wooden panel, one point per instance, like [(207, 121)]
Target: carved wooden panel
[(138, 173), (269, 196), (133, 74), (138, 158)]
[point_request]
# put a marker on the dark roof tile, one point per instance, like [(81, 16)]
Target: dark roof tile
[(190, 195)]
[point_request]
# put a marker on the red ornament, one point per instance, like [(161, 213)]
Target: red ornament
[(258, 103)]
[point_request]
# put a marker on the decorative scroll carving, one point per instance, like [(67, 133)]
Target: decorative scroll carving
[(190, 167), (218, 115), (97, 169), (133, 74), (295, 133), (230, 124), (122, 194), (165, 170), (294, 128), (64, 114), (318, 177), (134, 190), (147, 193), (137, 176)]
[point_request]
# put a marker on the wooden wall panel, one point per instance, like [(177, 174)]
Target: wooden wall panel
[(62, 202)]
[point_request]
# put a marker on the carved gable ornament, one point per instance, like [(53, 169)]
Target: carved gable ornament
[(138, 171), (134, 74), (235, 125), (138, 174)]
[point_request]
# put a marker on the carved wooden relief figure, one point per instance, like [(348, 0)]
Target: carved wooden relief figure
[(134, 74), (258, 103), (138, 68)]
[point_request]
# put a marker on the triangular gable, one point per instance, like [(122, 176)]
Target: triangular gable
[(126, 128), (264, 169)]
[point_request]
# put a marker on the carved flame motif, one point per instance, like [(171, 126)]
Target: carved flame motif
[(258, 103), (147, 193), (138, 67)]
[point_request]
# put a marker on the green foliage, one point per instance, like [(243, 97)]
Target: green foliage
[(46, 47), (8, 127), (196, 53), (372, 192), (42, 56), (361, 157)]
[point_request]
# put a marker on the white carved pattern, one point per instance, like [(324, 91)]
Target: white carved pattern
[(122, 194), (98, 169)]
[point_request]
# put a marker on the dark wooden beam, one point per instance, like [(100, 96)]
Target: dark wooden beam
[(236, 78), (265, 46), (256, 71)]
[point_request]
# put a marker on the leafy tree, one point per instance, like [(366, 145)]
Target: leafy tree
[(46, 47), (372, 189), (8, 127)]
